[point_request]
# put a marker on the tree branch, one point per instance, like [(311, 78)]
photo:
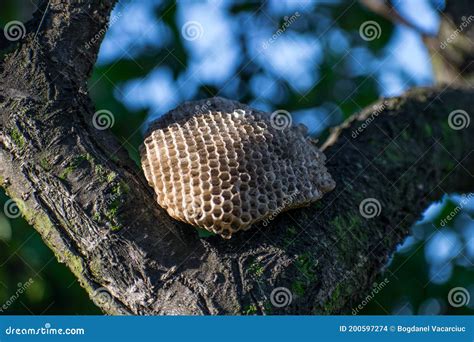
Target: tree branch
[(81, 192)]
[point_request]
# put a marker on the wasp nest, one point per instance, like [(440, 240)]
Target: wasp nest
[(223, 166)]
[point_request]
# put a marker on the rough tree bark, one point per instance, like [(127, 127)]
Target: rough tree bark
[(92, 207)]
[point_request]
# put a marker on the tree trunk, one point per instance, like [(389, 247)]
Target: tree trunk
[(94, 209)]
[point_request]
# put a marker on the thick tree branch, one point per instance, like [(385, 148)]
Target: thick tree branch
[(91, 205)]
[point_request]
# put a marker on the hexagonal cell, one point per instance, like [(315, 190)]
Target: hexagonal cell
[(195, 213), (236, 212), (235, 225), (207, 207), (236, 199), (206, 186), (249, 129), (197, 203), (245, 177), (226, 233), (246, 218), (217, 213), (172, 153), (226, 185), (196, 181), (251, 167), (230, 154), (292, 188), (202, 177), (253, 185), (208, 222), (215, 182), (206, 196), (262, 210), (188, 199), (210, 148), (272, 206), (234, 179), (256, 155), (217, 200), (276, 185), (226, 195), (270, 176), (269, 188), (182, 154), (262, 199), (200, 144), (259, 165), (197, 190), (227, 218), (227, 206)]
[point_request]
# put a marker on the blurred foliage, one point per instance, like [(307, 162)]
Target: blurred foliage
[(53, 289), (438, 257), (343, 70)]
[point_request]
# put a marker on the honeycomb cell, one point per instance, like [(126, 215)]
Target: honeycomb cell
[(207, 197), (230, 167), (217, 200), (227, 218)]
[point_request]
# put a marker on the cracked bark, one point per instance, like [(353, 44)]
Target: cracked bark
[(92, 207)]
